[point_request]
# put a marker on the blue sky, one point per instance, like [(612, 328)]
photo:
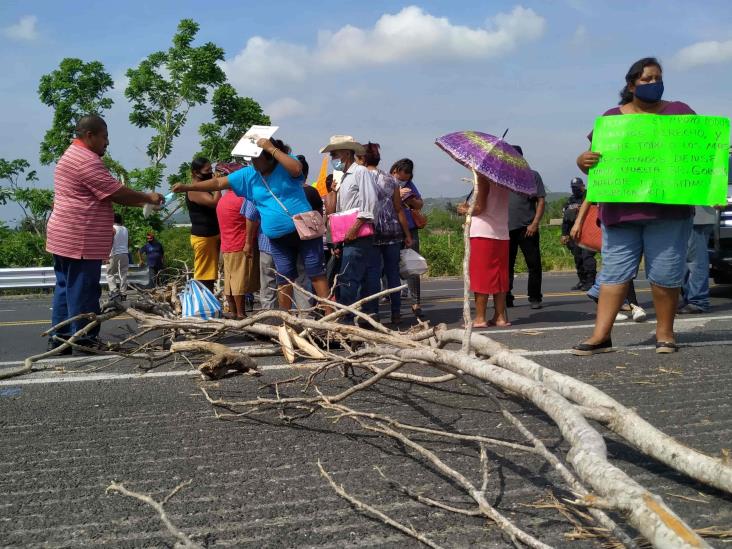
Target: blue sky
[(400, 74)]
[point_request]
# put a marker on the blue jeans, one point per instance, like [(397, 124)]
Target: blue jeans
[(285, 253), (386, 260), (663, 243), (356, 259), (696, 282), (77, 291)]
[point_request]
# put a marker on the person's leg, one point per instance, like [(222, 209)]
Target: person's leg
[(414, 282), (589, 266), (481, 307), (530, 247), (112, 274), (500, 314), (513, 246), (210, 284), (267, 284), (665, 244), (632, 298), (302, 301), (390, 254), (372, 283), (622, 247), (313, 264), (353, 270), (696, 284), (284, 255), (59, 307), (83, 292), (579, 265), (124, 267)]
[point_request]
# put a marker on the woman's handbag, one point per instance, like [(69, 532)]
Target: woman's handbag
[(340, 223), (197, 301), (590, 233), (309, 225), (420, 220)]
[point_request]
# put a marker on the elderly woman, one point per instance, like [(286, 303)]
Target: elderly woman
[(274, 183), (629, 231)]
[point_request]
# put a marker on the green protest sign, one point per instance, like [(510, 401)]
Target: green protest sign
[(661, 159)]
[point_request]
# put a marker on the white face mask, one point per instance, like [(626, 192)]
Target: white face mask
[(338, 164)]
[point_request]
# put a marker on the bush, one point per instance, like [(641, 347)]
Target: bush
[(176, 242), (22, 249)]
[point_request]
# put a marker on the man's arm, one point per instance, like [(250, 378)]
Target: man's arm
[(128, 197), (251, 238), (534, 225)]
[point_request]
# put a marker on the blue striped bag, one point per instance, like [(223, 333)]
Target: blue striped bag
[(198, 301)]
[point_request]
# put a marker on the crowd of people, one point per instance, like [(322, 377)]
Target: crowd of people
[(265, 224)]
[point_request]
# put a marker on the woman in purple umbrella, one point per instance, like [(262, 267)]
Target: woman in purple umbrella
[(489, 243), (629, 231)]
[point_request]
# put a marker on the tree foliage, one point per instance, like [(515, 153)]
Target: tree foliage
[(233, 116), (73, 90), (35, 203), (167, 84)]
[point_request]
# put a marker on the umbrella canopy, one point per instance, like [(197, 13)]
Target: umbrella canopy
[(492, 157)]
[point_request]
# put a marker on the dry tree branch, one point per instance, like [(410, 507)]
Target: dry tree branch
[(368, 509), (183, 540)]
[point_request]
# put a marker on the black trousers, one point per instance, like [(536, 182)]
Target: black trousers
[(532, 254), (584, 262)]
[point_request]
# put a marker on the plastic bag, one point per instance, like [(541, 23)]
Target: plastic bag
[(411, 263), (197, 301)]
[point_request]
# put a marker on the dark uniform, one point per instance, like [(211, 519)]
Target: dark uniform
[(584, 260)]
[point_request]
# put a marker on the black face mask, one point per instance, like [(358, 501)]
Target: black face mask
[(578, 192), (205, 176)]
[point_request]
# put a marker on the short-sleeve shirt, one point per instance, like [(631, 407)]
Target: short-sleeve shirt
[(80, 226), (232, 224), (251, 213), (492, 221), (153, 254), (120, 244), (407, 210), (522, 208), (614, 213), (248, 183)]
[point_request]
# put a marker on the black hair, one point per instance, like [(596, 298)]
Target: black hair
[(372, 156), (305, 167), (518, 149), (90, 123), (634, 73), (118, 219), (198, 163), (278, 144), (404, 165), (329, 182)]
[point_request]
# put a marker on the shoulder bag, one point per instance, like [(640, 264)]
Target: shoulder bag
[(309, 225)]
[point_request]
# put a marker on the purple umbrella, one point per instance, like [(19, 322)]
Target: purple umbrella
[(492, 157)]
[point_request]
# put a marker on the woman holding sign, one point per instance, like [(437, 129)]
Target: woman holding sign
[(629, 231)]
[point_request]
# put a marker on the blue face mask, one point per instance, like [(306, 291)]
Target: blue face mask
[(650, 93), (337, 164)]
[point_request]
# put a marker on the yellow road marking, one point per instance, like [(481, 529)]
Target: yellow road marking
[(38, 322)]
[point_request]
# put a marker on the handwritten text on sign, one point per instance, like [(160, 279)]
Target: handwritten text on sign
[(680, 159)]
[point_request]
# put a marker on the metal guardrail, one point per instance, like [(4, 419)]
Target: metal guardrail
[(44, 277)]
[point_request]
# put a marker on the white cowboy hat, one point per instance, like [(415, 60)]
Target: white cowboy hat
[(341, 142)]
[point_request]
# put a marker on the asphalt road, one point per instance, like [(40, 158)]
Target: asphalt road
[(67, 432)]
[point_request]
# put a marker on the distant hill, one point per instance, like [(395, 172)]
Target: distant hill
[(443, 202)]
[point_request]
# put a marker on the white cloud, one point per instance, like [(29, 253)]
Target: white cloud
[(414, 35), (287, 107), (266, 64), (580, 36), (704, 53), (409, 35), (25, 29)]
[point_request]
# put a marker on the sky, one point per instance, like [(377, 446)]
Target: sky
[(396, 73)]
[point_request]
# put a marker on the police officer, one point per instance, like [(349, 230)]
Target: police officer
[(584, 260)]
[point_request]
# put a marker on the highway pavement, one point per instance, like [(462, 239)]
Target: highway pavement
[(68, 431)]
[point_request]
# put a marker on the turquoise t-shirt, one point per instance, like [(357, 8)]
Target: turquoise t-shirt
[(247, 182)]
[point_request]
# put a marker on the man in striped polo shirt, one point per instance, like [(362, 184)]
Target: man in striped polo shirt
[(79, 232)]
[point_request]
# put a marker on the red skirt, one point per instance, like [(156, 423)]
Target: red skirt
[(488, 265)]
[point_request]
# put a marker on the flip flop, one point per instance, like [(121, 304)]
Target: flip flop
[(666, 347)]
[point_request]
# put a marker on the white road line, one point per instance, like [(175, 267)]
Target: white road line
[(71, 378), (528, 328)]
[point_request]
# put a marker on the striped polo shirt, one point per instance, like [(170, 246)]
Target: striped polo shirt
[(80, 226)]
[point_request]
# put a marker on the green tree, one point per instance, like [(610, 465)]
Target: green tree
[(166, 85), (35, 203), (73, 90), (233, 116)]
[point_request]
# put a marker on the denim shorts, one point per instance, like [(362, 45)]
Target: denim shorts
[(285, 250), (663, 243)]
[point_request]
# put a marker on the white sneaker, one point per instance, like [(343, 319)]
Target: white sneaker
[(621, 316), (639, 314)]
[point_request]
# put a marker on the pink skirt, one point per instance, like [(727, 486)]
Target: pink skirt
[(488, 265)]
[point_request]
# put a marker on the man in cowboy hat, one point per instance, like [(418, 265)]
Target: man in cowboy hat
[(357, 190)]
